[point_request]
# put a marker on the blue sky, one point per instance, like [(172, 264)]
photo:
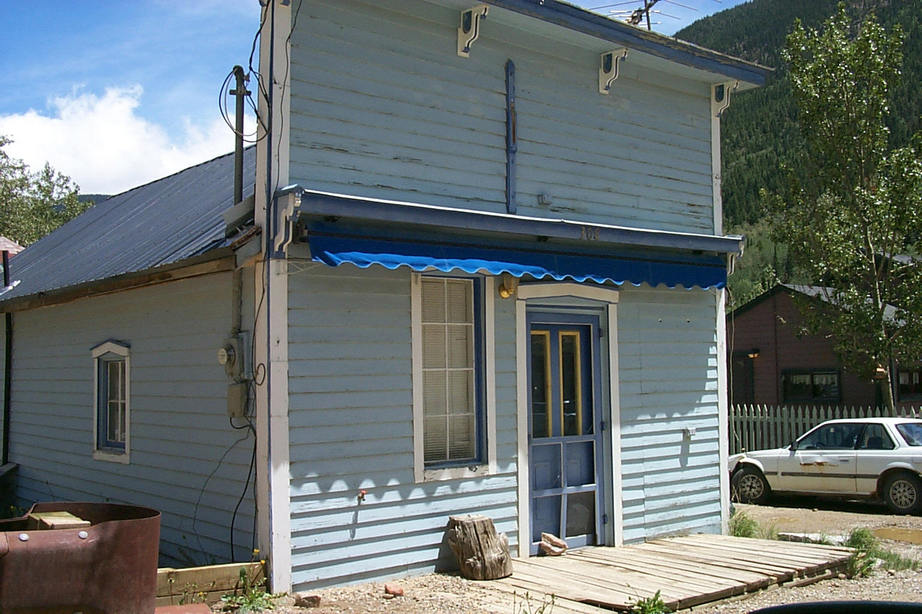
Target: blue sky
[(115, 93)]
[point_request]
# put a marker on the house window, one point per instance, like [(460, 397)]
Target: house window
[(448, 375), (112, 386), (909, 384), (810, 386)]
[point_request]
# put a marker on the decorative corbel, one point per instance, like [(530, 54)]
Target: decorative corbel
[(469, 29), (286, 206), (609, 68), (720, 96)]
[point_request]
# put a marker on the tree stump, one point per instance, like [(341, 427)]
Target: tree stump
[(481, 553)]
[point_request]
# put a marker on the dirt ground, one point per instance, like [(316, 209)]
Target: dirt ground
[(448, 594)]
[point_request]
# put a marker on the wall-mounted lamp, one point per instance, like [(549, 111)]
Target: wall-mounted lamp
[(753, 353), (880, 373), (508, 286)]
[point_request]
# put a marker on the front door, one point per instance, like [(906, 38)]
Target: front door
[(565, 429)]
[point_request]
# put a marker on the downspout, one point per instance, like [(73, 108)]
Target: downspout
[(7, 366)]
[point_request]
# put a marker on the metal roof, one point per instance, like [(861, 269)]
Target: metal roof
[(602, 27), (159, 223)]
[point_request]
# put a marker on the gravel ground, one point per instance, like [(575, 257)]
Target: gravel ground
[(448, 594)]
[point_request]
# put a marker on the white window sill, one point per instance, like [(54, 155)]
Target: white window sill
[(455, 473), (111, 457)]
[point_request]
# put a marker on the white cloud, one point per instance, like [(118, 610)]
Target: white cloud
[(103, 144)]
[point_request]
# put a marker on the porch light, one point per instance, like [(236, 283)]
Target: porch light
[(508, 286), (753, 353)]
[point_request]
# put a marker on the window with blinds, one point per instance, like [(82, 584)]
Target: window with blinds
[(449, 370)]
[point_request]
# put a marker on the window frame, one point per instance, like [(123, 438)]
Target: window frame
[(911, 396), (103, 449), (484, 462), (812, 373)]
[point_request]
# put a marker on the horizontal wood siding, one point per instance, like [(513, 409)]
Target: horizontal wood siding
[(351, 419), (186, 460), (668, 370), (383, 107)]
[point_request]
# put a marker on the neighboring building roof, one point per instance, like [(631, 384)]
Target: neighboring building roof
[(599, 26), (159, 223), (8, 245), (823, 293)]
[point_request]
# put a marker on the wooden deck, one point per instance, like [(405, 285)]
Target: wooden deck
[(688, 571)]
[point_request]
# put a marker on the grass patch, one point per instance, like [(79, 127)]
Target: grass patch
[(869, 555), (744, 525)]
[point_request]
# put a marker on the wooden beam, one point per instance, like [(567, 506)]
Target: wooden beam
[(217, 261)]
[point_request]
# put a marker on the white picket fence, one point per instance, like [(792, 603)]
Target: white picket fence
[(761, 427)]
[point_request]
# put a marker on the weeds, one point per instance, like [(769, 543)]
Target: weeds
[(526, 607), (743, 525), (869, 555), (250, 595), (649, 605)]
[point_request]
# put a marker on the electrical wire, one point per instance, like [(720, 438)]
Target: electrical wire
[(201, 493), (246, 484)]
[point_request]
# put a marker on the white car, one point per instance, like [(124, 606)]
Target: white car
[(866, 457)]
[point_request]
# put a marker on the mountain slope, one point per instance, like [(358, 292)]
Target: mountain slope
[(759, 132)]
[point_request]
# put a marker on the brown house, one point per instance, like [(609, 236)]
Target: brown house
[(774, 361)]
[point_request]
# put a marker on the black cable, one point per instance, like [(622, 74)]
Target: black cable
[(246, 485), (201, 493)]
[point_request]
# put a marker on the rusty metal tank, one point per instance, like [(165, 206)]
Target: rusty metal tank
[(91, 558)]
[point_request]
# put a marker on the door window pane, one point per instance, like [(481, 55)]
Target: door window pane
[(581, 514), (570, 384), (540, 384)]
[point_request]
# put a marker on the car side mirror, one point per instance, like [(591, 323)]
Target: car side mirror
[(793, 446)]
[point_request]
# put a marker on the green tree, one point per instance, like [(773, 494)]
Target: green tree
[(853, 217), (34, 204)]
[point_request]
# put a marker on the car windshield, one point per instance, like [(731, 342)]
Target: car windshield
[(911, 432)]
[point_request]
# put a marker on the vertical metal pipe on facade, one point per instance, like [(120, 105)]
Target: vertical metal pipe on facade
[(7, 366)]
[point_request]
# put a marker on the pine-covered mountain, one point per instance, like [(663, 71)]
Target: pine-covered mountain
[(759, 131)]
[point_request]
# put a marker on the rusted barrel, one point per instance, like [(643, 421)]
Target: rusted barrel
[(108, 566)]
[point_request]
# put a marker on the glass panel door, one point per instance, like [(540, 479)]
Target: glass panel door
[(564, 442)]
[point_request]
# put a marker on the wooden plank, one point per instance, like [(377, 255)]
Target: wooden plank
[(209, 579), (794, 559), (575, 590), (594, 576), (560, 603), (696, 575), (784, 545), (752, 553), (656, 578), (778, 574), (745, 546)]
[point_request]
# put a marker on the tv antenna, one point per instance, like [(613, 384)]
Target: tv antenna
[(641, 14)]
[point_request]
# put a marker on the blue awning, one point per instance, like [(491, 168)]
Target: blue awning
[(676, 269)]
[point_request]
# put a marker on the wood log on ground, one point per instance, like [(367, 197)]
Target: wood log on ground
[(481, 553)]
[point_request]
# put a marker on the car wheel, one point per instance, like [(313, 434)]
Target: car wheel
[(750, 486), (903, 493)]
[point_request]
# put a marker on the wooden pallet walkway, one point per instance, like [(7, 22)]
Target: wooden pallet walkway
[(688, 571)]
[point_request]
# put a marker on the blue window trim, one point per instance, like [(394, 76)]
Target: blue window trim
[(104, 354), (102, 401), (480, 440)]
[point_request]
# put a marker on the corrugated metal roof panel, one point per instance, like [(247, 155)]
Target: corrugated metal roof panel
[(159, 223)]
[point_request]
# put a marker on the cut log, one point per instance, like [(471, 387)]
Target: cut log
[(481, 553)]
